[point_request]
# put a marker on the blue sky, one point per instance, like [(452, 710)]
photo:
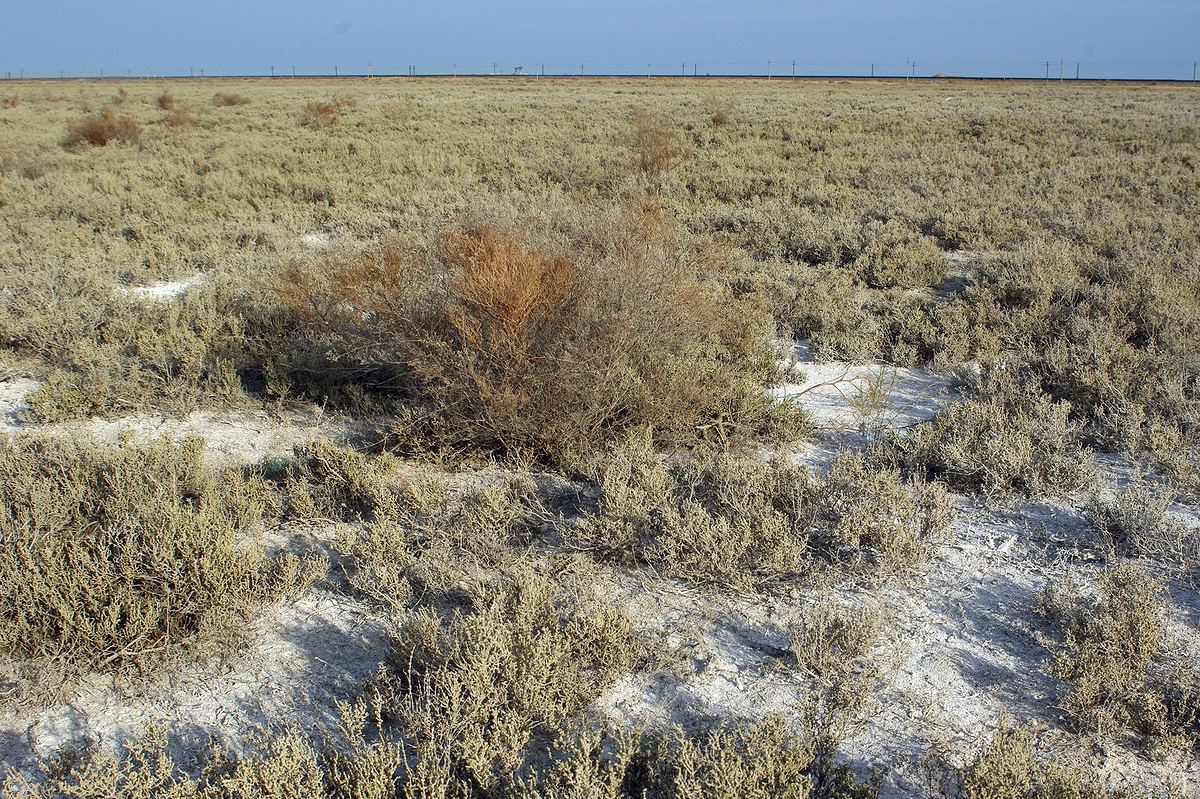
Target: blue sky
[(1148, 38)]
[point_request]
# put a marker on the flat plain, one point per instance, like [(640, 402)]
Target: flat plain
[(524, 437)]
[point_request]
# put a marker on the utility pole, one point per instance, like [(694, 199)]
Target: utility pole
[(793, 69), (272, 70), (493, 68), (1076, 70), (682, 69), (1060, 68), (368, 69), (872, 70), (335, 72), (695, 70), (1193, 72), (293, 70), (581, 70), (647, 72), (1047, 70), (768, 69)]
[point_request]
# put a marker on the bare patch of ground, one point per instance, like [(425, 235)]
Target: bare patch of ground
[(165, 291), (231, 436), (300, 659)]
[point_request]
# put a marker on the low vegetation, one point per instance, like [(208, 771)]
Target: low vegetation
[(113, 556), (1137, 522), (539, 342), (1119, 662), (1003, 438), (571, 297), (227, 99), (322, 113), (1008, 767), (102, 129), (744, 522)]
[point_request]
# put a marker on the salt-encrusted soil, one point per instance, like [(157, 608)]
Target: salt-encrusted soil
[(963, 646)]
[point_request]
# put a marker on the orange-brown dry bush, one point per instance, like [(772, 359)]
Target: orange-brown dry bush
[(545, 349), (227, 99), (656, 143), (322, 114), (180, 116), (10, 102), (102, 128), (166, 101), (319, 114)]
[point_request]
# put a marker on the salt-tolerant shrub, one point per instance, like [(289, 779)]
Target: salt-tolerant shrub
[(545, 342), (1118, 662), (112, 556), (102, 128), (1005, 438), (230, 99), (744, 521)]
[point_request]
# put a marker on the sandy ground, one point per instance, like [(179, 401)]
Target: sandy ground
[(963, 646)]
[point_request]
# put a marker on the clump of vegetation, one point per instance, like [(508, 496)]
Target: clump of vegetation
[(112, 556), (894, 255), (102, 128), (1008, 767), (227, 99), (546, 342), (120, 97), (744, 522), (833, 647), (515, 663), (11, 101), (166, 101), (320, 114), (720, 111), (1004, 438), (1136, 523), (180, 116), (656, 143), (1116, 659)]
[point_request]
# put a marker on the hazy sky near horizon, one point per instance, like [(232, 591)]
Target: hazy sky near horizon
[(1146, 38)]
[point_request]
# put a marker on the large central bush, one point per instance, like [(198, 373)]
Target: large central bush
[(544, 339)]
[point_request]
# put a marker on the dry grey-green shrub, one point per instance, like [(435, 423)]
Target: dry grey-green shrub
[(322, 481), (106, 352), (833, 648), (1137, 522), (744, 521), (1005, 440), (870, 517), (1116, 658), (894, 255), (656, 142), (114, 555), (545, 341), (1009, 767), (436, 537), (480, 691), (763, 760)]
